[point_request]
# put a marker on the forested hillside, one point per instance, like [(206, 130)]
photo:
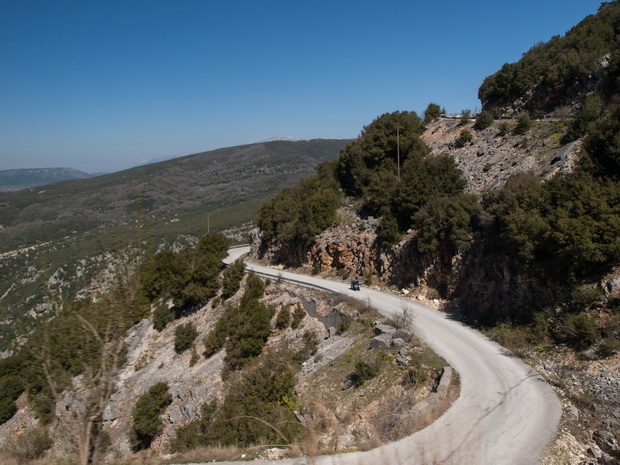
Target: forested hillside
[(65, 239), (558, 72), (393, 184), (190, 185), (563, 230)]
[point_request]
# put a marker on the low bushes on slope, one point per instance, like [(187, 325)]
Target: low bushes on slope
[(243, 329)]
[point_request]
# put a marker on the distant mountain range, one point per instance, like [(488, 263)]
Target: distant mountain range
[(24, 178), (15, 180)]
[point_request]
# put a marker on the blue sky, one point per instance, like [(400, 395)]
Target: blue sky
[(102, 85)]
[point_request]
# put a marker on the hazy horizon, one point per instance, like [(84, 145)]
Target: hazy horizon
[(103, 86)]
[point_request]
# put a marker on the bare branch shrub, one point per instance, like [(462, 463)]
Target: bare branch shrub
[(395, 418), (405, 318), (30, 445)]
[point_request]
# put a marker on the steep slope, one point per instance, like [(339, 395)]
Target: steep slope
[(526, 243), (562, 71), (330, 410), (492, 157)]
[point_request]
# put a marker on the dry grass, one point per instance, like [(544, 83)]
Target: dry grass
[(147, 458), (28, 447), (380, 411), (405, 317), (307, 446), (207, 454), (6, 458), (395, 416)]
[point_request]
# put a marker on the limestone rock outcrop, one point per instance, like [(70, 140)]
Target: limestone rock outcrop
[(490, 159)]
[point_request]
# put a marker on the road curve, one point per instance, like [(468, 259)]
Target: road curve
[(506, 413)]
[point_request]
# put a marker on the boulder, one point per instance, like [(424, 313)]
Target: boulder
[(384, 329), (110, 413), (612, 286), (402, 334), (345, 439), (382, 341), (444, 383)]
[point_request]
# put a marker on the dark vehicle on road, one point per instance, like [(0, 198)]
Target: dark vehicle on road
[(355, 285)]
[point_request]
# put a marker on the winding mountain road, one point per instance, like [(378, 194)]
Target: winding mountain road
[(506, 413)]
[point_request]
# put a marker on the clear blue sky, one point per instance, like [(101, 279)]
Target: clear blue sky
[(101, 85)]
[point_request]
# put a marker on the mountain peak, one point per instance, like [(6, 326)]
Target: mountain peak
[(278, 138)]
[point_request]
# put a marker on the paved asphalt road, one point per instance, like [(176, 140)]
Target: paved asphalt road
[(506, 413)]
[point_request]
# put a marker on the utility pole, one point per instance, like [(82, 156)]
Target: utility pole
[(398, 150)]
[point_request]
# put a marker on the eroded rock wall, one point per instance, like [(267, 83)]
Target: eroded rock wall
[(491, 158)]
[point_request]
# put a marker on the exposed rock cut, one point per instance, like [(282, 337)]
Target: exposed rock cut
[(490, 159)]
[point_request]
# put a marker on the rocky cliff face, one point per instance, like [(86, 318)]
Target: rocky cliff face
[(478, 277), (352, 248), (491, 158)]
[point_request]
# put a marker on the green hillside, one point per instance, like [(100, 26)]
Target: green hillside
[(552, 74), (55, 239)]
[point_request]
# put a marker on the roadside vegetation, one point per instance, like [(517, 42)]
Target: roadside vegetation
[(277, 398)]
